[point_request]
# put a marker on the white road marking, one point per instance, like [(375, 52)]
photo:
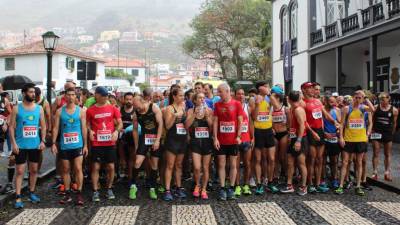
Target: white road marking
[(115, 215), (193, 214), (265, 213), (35, 216), (391, 208)]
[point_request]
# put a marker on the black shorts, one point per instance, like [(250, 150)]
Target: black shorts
[(24, 155), (304, 147), (176, 147), (264, 138), (127, 138), (144, 149), (386, 137), (332, 149), (280, 135), (70, 154), (356, 147), (244, 147), (228, 150), (203, 147), (312, 141), (103, 154)]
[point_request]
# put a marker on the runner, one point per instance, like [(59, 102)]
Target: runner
[(104, 123), (149, 117), (298, 144), (70, 123), (246, 147), (260, 107), (353, 138), (199, 88), (199, 124), (40, 100), (228, 118), (175, 143), (384, 126), (26, 120), (209, 93)]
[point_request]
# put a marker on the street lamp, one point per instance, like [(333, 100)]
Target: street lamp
[(50, 41)]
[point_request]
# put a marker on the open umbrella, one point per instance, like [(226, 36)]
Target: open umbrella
[(14, 82)]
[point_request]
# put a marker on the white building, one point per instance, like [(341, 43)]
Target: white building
[(341, 44), (136, 68), (31, 61)]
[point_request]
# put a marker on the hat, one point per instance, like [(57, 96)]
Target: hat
[(307, 85), (335, 94), (101, 90), (277, 90)]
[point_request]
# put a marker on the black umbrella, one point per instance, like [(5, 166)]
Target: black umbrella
[(14, 82)]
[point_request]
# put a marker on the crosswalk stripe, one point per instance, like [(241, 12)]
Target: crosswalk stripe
[(193, 214), (335, 212), (265, 213), (35, 216), (390, 208), (115, 215)]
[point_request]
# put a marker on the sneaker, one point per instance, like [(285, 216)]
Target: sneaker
[(348, 185), (19, 204), (180, 193), (66, 199), (302, 191), (110, 194), (168, 196), (231, 194), (56, 184), (287, 189), (335, 184), (339, 191), (359, 191), (238, 191), (132, 192), (196, 191), (272, 188), (311, 189), (323, 184), (388, 177), (204, 195), (365, 186), (252, 182), (34, 198), (246, 190), (79, 199), (7, 189), (322, 189), (74, 187), (260, 189), (96, 196), (265, 183), (222, 195), (374, 176), (161, 189), (153, 194)]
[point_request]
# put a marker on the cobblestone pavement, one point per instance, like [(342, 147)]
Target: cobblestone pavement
[(377, 207)]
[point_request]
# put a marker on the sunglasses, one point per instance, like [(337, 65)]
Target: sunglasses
[(384, 97), (358, 97)]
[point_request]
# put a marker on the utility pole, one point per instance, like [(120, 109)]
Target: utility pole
[(118, 52)]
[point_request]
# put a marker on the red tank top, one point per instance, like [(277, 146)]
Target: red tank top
[(314, 113), (245, 125), (295, 125)]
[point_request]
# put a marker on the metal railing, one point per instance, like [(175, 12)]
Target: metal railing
[(377, 14), (393, 7), (331, 31), (350, 23), (316, 37)]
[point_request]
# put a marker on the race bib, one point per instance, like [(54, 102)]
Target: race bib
[(278, 118), (263, 116), (376, 136), (201, 132), (150, 139), (71, 138), (292, 133), (2, 119), (103, 135), (331, 138), (180, 129), (356, 124), (245, 127), (317, 114), (227, 127), (30, 132)]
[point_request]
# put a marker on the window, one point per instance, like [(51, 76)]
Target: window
[(135, 72), (284, 25), (70, 63), (335, 10), (9, 64), (293, 20)]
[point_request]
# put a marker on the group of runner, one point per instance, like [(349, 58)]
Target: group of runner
[(265, 141)]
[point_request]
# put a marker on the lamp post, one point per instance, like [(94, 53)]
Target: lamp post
[(50, 41)]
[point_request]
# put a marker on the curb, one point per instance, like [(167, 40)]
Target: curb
[(383, 185), (44, 176)]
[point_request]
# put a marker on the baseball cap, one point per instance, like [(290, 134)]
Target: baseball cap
[(277, 90), (101, 90), (307, 85)]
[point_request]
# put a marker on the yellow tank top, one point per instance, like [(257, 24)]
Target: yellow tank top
[(355, 129), (263, 119)]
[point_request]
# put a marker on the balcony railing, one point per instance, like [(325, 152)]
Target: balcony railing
[(331, 31), (350, 23), (393, 7), (316, 37), (377, 12)]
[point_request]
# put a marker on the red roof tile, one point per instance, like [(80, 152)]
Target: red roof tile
[(133, 63)]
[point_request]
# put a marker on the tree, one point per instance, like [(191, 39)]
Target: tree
[(232, 32), (119, 73)]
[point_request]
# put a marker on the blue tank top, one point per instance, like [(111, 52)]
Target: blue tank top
[(70, 129), (328, 126), (27, 134)]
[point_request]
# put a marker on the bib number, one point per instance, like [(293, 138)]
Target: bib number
[(262, 117), (331, 138), (103, 135), (150, 139), (376, 136), (245, 127), (180, 129), (227, 127), (279, 119), (356, 124), (71, 138), (292, 133), (30, 132), (201, 132), (317, 114)]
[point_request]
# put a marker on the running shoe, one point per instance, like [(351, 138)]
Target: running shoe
[(246, 190), (180, 193), (339, 191), (265, 183), (34, 198), (366, 186), (7, 189), (311, 189), (96, 196), (287, 189), (196, 191), (153, 194), (19, 204), (359, 191), (238, 191), (110, 194), (161, 189), (168, 196), (348, 185), (66, 199), (335, 184), (388, 177), (74, 187), (222, 194), (302, 191), (79, 199), (204, 195), (322, 189), (57, 184), (260, 189), (231, 194), (374, 176), (272, 188), (132, 192), (252, 182), (323, 184)]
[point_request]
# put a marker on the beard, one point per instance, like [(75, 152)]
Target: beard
[(128, 105), (29, 99)]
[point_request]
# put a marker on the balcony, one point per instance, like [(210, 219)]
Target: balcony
[(331, 31), (376, 11), (393, 7), (350, 23), (316, 37)]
